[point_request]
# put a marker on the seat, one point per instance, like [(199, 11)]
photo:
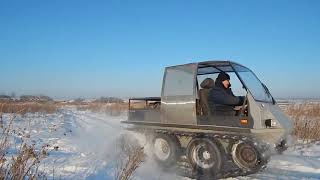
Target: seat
[(206, 85)]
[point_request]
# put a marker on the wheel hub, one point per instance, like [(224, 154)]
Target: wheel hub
[(161, 149), (206, 155), (203, 157), (248, 155), (245, 156), (164, 147)]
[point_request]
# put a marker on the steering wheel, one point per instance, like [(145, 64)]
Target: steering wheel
[(244, 105)]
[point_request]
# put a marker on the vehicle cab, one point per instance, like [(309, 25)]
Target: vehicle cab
[(180, 99)]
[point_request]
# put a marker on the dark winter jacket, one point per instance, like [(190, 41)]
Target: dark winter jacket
[(222, 101)]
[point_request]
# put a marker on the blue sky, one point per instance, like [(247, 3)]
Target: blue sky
[(119, 48)]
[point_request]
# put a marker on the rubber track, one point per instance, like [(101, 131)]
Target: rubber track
[(261, 147)]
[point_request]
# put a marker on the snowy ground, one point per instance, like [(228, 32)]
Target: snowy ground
[(86, 145), (299, 162)]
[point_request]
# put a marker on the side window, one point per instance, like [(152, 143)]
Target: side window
[(220, 112), (179, 81), (236, 84), (201, 78)]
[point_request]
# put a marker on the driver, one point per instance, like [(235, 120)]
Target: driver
[(221, 99)]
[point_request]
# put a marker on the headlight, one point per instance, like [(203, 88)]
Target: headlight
[(270, 123)]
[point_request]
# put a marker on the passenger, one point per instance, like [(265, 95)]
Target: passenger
[(221, 99), (206, 86)]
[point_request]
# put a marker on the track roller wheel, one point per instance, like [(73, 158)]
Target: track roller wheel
[(205, 156), (246, 157), (166, 149)]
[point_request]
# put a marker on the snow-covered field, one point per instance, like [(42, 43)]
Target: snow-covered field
[(85, 148), (299, 162)]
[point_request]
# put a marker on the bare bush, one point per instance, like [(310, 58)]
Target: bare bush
[(4, 146), (24, 164), (306, 118), (130, 156)]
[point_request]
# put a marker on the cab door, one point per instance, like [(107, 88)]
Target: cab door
[(178, 101)]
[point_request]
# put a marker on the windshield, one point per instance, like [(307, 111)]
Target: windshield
[(258, 91)]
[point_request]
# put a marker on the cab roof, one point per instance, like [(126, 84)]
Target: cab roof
[(211, 67)]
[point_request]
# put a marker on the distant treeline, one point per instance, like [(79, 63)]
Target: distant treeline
[(109, 100), (102, 100), (42, 98), (26, 98)]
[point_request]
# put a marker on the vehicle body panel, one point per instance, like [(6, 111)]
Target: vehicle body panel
[(178, 95)]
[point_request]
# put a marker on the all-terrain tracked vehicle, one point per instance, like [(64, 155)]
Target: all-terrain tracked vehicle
[(181, 126)]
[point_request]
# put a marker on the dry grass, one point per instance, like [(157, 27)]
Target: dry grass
[(25, 107), (143, 105), (138, 105), (130, 156), (306, 118), (113, 109)]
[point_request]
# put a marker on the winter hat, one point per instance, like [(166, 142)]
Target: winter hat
[(223, 76)]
